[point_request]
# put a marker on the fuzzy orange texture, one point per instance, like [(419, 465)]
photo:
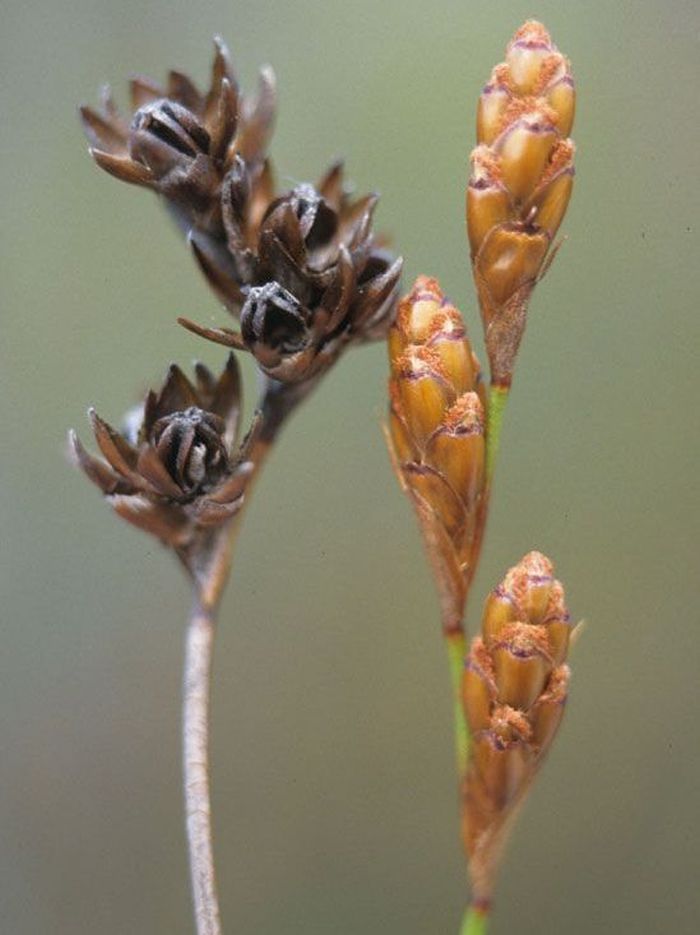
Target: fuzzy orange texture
[(524, 638), (467, 414), (421, 361), (532, 31), (510, 724), (556, 605), (562, 158)]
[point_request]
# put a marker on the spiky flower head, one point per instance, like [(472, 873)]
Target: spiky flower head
[(514, 690), (182, 143), (307, 282), (176, 470), (520, 184), (436, 435), (302, 269)]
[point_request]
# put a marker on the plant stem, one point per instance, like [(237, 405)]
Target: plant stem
[(475, 921), (208, 584), (456, 645), (498, 397), (210, 568), (195, 728)]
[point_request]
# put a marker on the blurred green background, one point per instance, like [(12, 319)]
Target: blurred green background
[(334, 793)]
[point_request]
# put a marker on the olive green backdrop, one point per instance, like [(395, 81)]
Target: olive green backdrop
[(334, 793)]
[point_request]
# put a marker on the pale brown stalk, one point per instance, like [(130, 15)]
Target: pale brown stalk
[(210, 570), (199, 646)]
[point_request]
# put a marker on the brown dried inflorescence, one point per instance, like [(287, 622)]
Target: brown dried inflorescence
[(520, 184), (310, 280), (183, 143), (302, 269), (436, 435), (176, 470), (514, 690)]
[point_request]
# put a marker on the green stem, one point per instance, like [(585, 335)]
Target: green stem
[(456, 647), (498, 397), (475, 921)]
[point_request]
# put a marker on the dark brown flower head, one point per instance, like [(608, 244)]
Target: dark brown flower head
[(306, 281), (277, 329), (179, 470), (191, 446), (182, 143), (206, 154)]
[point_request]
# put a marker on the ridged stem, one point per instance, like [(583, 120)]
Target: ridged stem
[(210, 570), (208, 586), (498, 397), (195, 730), (475, 921), (456, 647)]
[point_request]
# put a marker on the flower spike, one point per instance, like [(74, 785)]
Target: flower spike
[(520, 184), (514, 690), (436, 436)]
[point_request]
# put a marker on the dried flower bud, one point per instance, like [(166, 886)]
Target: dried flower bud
[(530, 593), (514, 690), (191, 447), (163, 132), (520, 185), (547, 712), (182, 143), (206, 155), (276, 328), (479, 690), (179, 473), (306, 284), (522, 664), (436, 435)]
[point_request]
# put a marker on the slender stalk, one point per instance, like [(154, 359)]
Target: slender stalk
[(456, 647), (210, 568), (195, 727), (208, 587), (498, 397), (475, 921)]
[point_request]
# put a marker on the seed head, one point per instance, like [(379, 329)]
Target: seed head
[(309, 282), (176, 470), (182, 143), (310, 249), (436, 434), (520, 184), (514, 689)]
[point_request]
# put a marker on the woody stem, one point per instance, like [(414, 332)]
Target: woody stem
[(208, 586), (195, 729), (210, 572)]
